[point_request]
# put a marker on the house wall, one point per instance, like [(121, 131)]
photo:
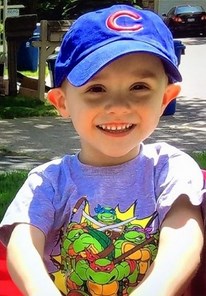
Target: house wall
[(148, 4)]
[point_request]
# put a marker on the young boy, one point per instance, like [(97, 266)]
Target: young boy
[(120, 217)]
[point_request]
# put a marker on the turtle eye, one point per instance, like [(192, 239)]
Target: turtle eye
[(140, 237)]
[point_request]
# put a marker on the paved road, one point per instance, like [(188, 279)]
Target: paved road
[(192, 67), (47, 138)]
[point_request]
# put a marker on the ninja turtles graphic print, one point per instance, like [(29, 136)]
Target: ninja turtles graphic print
[(105, 254)]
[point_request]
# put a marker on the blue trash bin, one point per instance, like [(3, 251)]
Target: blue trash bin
[(179, 50), (28, 55)]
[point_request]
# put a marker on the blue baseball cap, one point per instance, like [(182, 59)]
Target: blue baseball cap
[(97, 38)]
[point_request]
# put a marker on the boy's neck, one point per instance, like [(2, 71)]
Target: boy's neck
[(101, 160)]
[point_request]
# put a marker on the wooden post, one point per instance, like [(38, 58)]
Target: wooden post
[(17, 30), (45, 50), (51, 34)]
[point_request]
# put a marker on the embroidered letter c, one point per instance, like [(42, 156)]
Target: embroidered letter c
[(111, 22)]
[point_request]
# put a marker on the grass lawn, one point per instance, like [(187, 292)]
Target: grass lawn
[(10, 182), (20, 106), (200, 158), (14, 107)]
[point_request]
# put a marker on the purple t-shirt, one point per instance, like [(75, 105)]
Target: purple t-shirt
[(102, 223)]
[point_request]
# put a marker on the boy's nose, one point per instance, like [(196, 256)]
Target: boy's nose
[(117, 105)]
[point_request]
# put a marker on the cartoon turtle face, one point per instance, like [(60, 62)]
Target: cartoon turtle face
[(135, 236), (74, 234), (102, 271), (106, 215)]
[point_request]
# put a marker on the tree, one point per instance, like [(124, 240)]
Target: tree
[(64, 9)]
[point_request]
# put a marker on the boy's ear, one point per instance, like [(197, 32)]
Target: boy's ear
[(56, 97), (172, 91)]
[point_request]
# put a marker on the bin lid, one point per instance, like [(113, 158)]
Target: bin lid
[(178, 43), (37, 30), (52, 57)]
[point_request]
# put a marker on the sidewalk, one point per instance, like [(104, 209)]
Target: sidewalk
[(37, 140)]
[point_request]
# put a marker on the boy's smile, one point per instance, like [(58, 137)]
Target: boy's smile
[(116, 129), (117, 109)]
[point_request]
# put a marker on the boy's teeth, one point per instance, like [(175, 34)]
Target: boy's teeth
[(114, 127)]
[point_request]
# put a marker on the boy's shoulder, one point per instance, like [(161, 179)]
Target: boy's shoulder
[(163, 155), (54, 166), (161, 148)]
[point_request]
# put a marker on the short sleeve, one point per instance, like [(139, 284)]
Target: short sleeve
[(32, 205), (179, 175)]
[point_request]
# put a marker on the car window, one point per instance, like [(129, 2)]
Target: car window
[(189, 9), (171, 11)]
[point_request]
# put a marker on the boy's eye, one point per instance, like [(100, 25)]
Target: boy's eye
[(139, 86), (96, 89)]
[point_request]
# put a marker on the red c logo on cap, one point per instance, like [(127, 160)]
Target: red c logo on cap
[(111, 22)]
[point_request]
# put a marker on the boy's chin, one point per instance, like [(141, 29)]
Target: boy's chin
[(109, 158)]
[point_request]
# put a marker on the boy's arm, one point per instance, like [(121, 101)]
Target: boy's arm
[(178, 257), (25, 264)]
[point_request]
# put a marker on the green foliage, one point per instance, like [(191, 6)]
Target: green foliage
[(1, 27), (60, 9), (14, 107), (10, 182), (35, 74)]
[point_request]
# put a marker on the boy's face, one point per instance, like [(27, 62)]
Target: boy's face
[(117, 109)]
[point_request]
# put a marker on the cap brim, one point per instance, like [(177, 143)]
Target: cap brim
[(104, 55)]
